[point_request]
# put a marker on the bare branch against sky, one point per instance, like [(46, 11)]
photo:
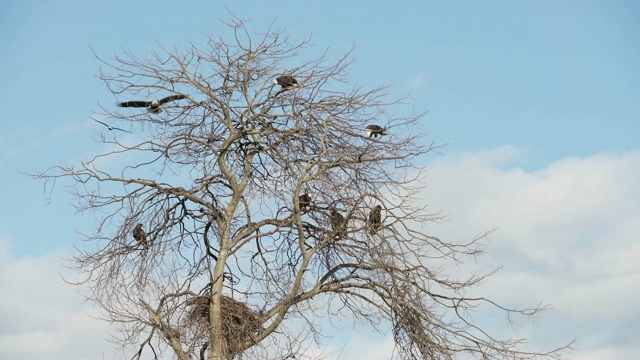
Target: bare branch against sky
[(248, 207)]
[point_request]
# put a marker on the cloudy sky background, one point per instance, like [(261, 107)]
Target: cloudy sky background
[(538, 103)]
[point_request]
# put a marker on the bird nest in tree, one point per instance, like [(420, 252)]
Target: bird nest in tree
[(411, 336), (239, 322)]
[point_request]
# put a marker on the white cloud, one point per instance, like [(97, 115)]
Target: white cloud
[(42, 317), (566, 234)]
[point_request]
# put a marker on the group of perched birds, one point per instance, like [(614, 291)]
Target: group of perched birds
[(338, 222), (374, 222), (286, 82)]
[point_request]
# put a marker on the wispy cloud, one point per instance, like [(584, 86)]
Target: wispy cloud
[(415, 81), (30, 137)]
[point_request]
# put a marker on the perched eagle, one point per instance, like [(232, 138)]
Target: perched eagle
[(109, 126), (305, 200), (375, 131), (286, 82), (338, 223), (375, 219), (140, 236), (153, 106)]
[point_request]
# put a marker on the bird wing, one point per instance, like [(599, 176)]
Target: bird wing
[(172, 98), (98, 121), (291, 80), (115, 128), (134, 104)]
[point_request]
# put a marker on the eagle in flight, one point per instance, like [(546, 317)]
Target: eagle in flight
[(153, 106), (375, 131), (109, 126)]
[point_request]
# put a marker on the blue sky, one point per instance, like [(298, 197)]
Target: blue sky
[(543, 94)]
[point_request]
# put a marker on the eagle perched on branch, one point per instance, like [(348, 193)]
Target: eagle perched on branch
[(286, 82), (140, 236), (375, 219), (338, 223), (305, 200), (153, 106)]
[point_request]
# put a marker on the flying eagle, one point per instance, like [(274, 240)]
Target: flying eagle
[(109, 126), (375, 131), (140, 236), (305, 200), (338, 223), (286, 82), (375, 219), (153, 106)]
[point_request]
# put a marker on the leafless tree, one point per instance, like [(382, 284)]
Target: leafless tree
[(230, 262)]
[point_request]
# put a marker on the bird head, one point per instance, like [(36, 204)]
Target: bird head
[(275, 81)]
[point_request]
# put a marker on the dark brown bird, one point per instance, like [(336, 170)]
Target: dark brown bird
[(338, 223), (375, 220), (140, 236), (305, 200), (153, 106), (286, 82), (375, 131)]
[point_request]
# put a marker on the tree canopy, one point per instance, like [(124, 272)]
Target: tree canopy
[(239, 211)]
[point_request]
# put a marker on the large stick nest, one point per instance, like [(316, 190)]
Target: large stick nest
[(239, 322), (412, 336)]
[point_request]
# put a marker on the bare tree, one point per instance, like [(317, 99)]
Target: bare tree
[(258, 202)]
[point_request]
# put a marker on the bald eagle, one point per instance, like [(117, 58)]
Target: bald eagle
[(153, 106), (375, 131), (305, 200), (109, 126), (338, 223), (140, 236), (375, 219), (286, 82)]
